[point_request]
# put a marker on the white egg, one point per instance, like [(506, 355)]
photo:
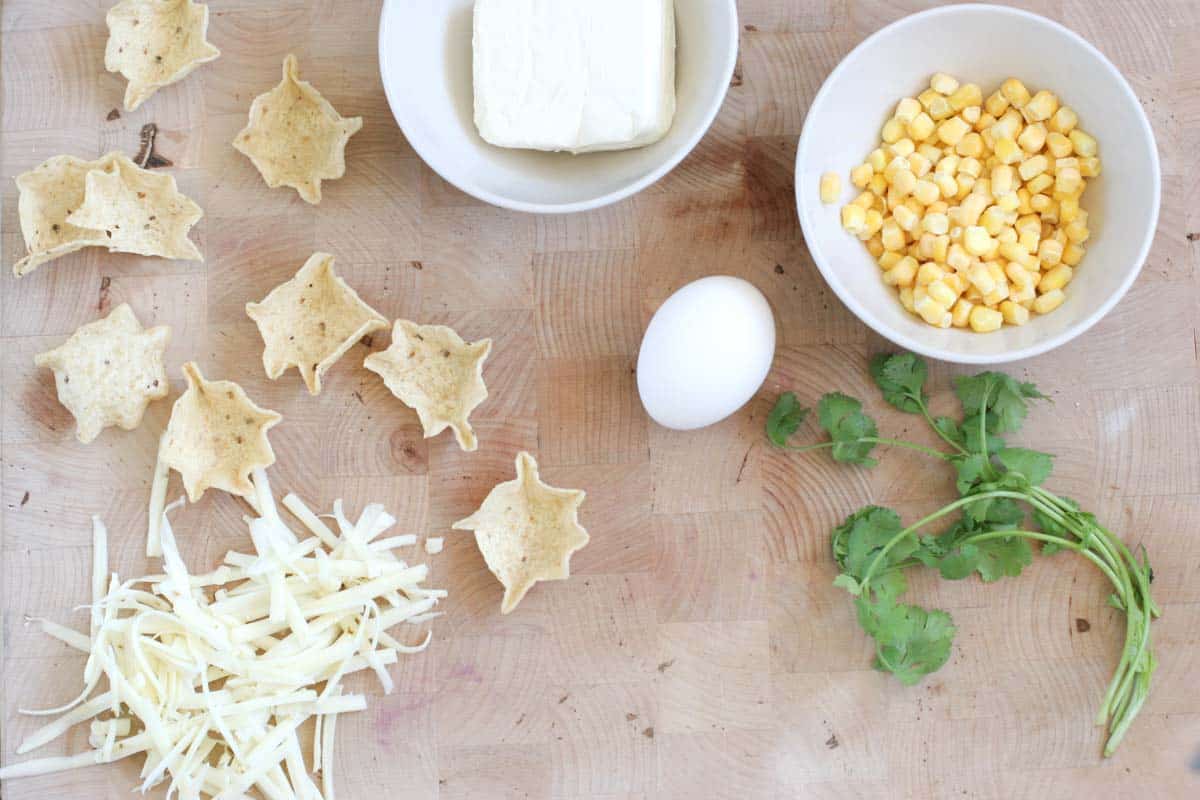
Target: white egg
[(706, 352)]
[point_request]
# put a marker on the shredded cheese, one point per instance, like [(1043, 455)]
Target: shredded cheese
[(216, 672)]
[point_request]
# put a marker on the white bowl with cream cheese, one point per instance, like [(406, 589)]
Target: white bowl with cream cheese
[(428, 69)]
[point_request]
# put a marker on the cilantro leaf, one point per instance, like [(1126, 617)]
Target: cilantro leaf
[(996, 511), (910, 642), (971, 434), (858, 540), (1004, 396), (972, 470), (785, 418), (959, 562), (950, 429), (1035, 466), (993, 559), (843, 419), (901, 378)]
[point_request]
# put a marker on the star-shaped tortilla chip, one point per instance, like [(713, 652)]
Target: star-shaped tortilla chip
[(48, 194), (527, 531), (109, 371), (138, 211), (310, 321), (216, 436), (433, 371), (295, 137), (154, 43)]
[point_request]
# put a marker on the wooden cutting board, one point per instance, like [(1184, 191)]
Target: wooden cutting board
[(700, 650)]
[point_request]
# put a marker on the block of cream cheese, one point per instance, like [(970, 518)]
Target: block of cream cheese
[(576, 75)]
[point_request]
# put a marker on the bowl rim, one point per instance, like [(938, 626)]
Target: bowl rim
[(1044, 345), (391, 8)]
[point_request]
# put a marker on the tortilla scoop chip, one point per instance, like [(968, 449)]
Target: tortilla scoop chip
[(295, 137), (310, 321), (434, 372), (216, 436), (109, 371), (138, 211), (154, 43), (48, 194), (527, 531)]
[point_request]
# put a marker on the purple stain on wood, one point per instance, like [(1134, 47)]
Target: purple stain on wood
[(466, 672)]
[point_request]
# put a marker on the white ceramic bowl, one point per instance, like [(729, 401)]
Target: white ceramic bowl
[(425, 61), (982, 44)]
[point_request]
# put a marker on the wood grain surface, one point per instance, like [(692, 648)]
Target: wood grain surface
[(699, 650)]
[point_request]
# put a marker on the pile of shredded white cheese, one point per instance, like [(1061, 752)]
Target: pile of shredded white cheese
[(212, 676)]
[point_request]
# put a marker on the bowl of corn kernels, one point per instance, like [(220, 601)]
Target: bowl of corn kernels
[(977, 183)]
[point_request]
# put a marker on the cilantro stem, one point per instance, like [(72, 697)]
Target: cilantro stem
[(1066, 544), (941, 434)]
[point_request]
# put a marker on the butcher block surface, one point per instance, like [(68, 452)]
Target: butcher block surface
[(699, 649)]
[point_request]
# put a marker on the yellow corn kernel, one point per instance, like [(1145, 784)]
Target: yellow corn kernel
[(1029, 223), (970, 166), (1008, 203), (905, 218), (1041, 107), (928, 273), (979, 276), (998, 296), (989, 146), (965, 184), (969, 94), (932, 311), (904, 182), (941, 248), (893, 131), (958, 258), (937, 224), (854, 219), (919, 165), (889, 259), (1003, 180), (1023, 295), (992, 221), (1089, 167), (985, 122), (947, 165), (937, 207), (875, 245), (877, 159), (902, 148), (894, 198), (947, 186), (1058, 145), (1063, 121), (891, 233), (1032, 138), (1007, 151), (961, 313), (1030, 239), (1039, 203), (925, 247), (861, 175), (985, 320), (1085, 145), (983, 187), (903, 273), (940, 108), (921, 127), (1072, 254), (927, 97), (1008, 126), (1032, 167), (1006, 235), (1049, 301), (943, 83), (970, 209), (1051, 213), (996, 104), (932, 153), (1055, 278), (977, 241), (865, 200), (1018, 274), (1077, 232), (1064, 163), (926, 192), (1014, 314), (1068, 209), (907, 110), (906, 299), (971, 113), (1040, 183), (1014, 92), (1051, 232), (873, 224), (831, 188), (952, 131), (1023, 206), (943, 294), (971, 145), (1068, 180), (878, 184)]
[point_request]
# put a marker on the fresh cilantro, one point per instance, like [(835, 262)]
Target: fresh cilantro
[(910, 642), (861, 537), (993, 559), (901, 378), (1003, 395), (843, 419), (949, 430), (785, 418), (972, 470), (1033, 465)]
